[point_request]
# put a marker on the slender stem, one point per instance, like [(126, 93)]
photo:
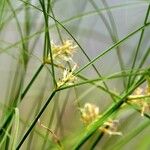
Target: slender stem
[(88, 58), (56, 24), (109, 49), (48, 49), (144, 58), (34, 110), (32, 80), (22, 96), (142, 63), (85, 135), (100, 135), (35, 120), (89, 81), (139, 43), (24, 49), (115, 38), (6, 122), (51, 120), (112, 32)]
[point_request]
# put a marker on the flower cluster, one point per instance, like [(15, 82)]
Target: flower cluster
[(111, 127), (141, 98), (90, 112), (68, 77), (62, 52)]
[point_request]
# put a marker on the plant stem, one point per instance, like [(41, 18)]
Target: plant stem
[(85, 135), (115, 45), (5, 122), (139, 43), (32, 80), (35, 120)]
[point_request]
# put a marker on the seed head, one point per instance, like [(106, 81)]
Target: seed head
[(90, 112), (68, 77), (141, 97), (63, 52)]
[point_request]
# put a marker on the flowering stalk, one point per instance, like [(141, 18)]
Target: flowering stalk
[(60, 54)]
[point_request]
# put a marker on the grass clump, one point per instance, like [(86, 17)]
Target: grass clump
[(73, 80)]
